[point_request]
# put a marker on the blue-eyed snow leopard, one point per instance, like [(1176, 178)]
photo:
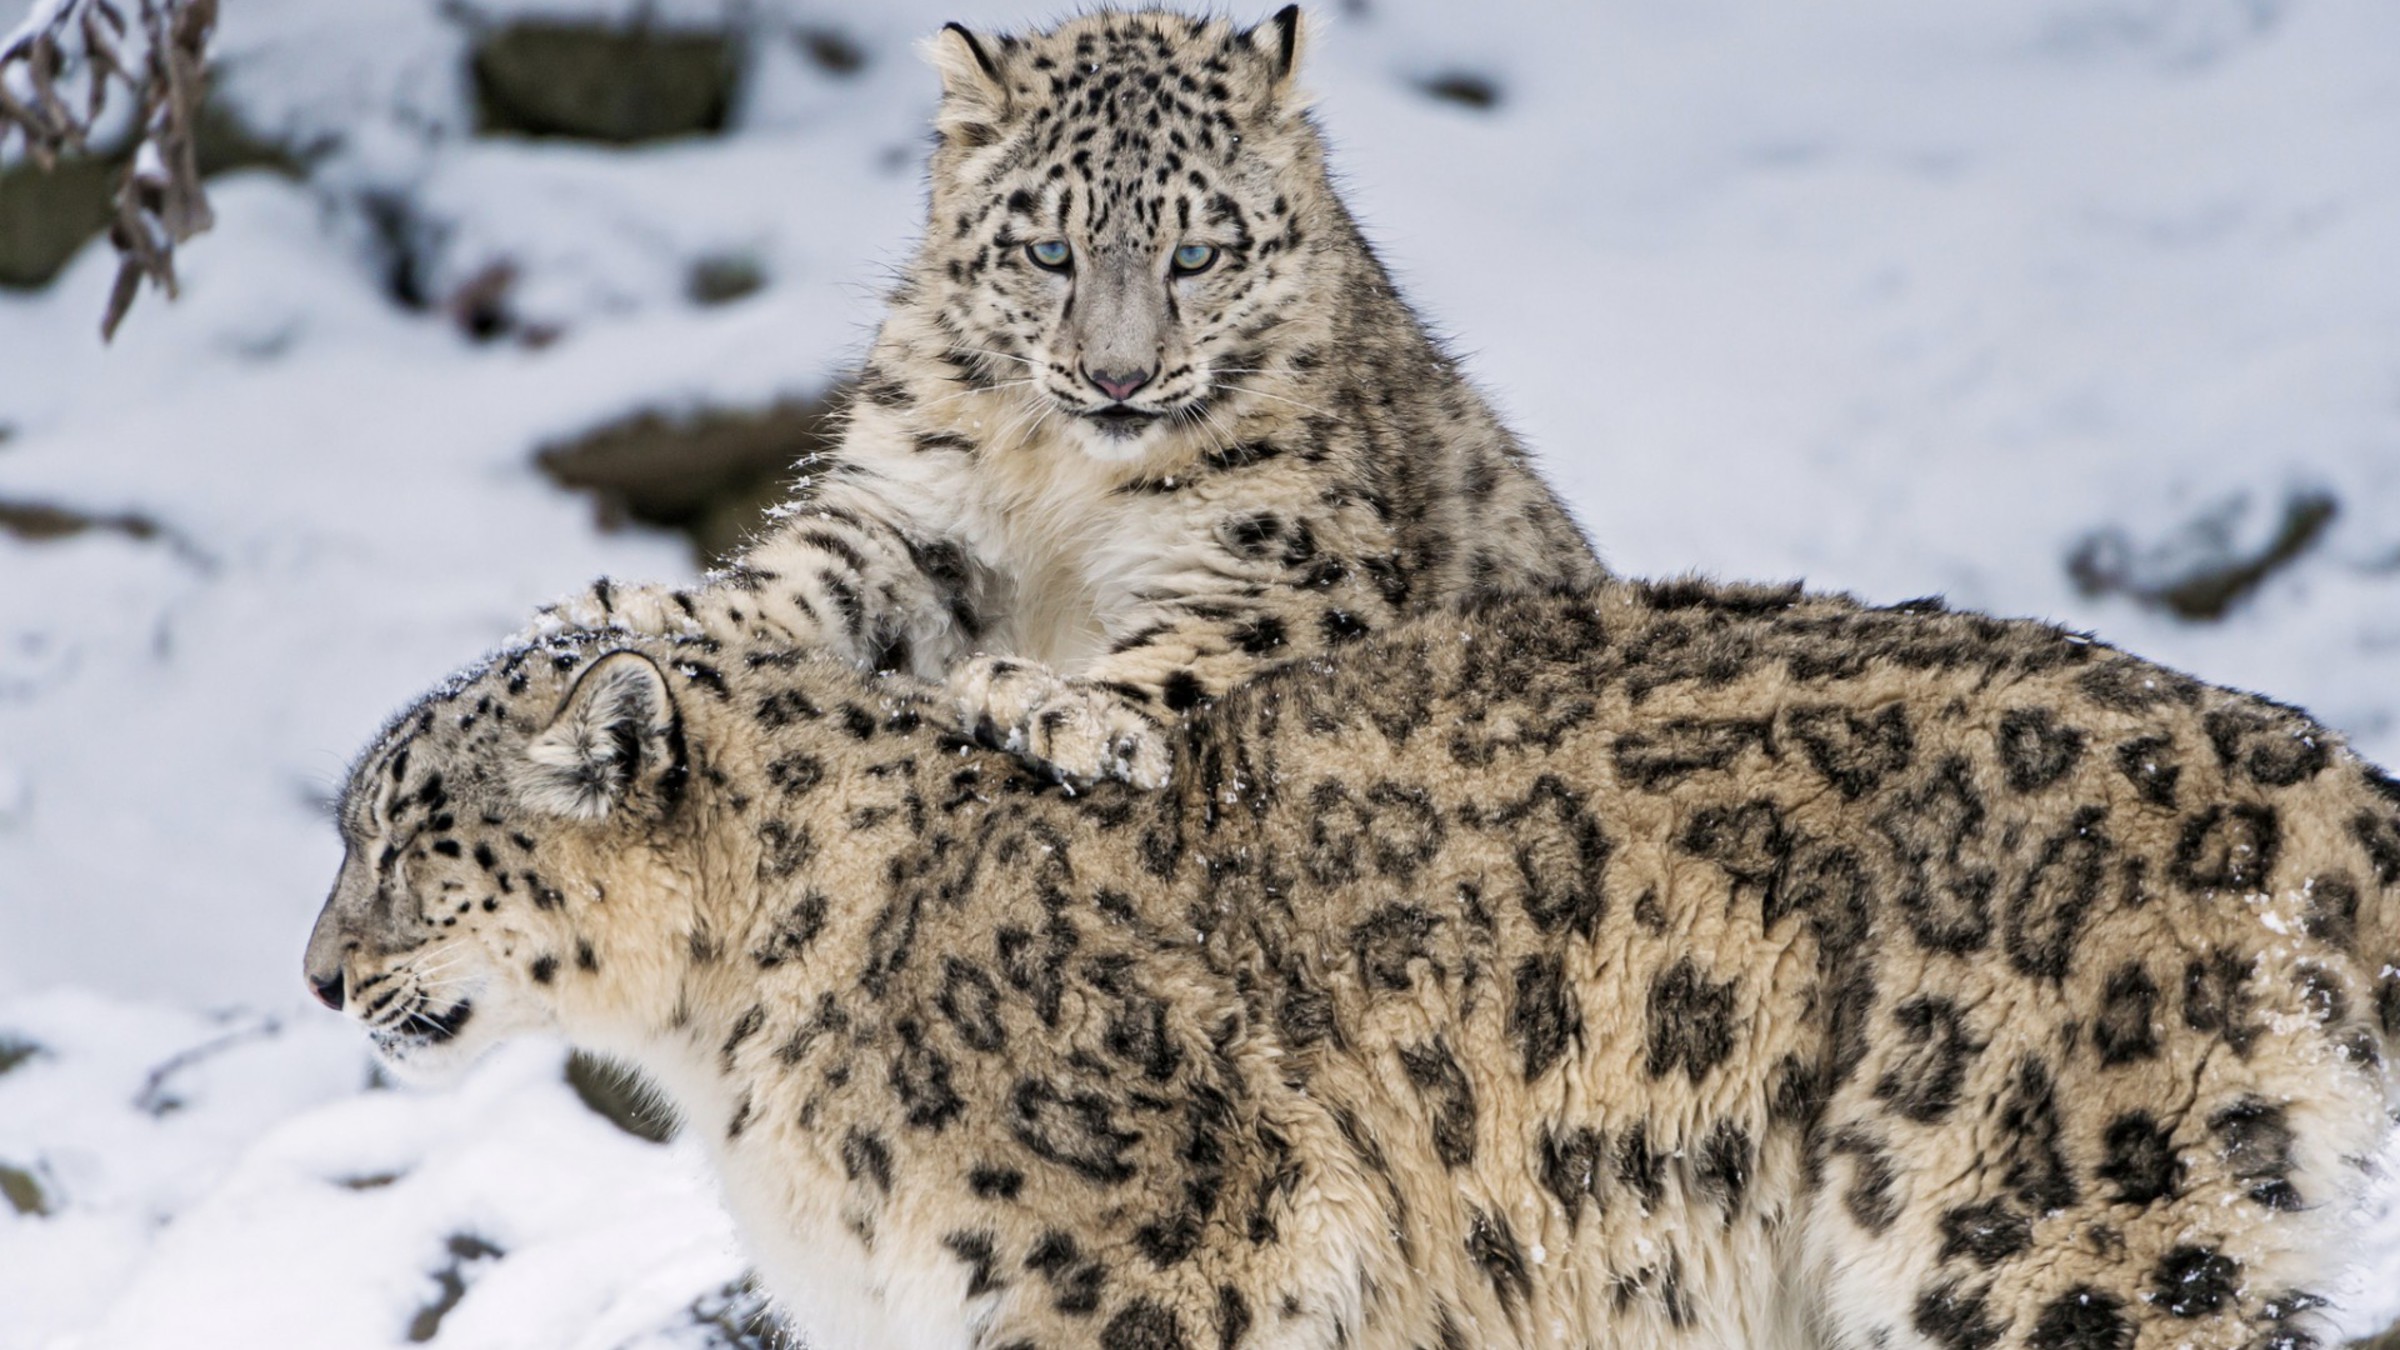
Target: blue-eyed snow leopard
[(1663, 965), (1146, 414)]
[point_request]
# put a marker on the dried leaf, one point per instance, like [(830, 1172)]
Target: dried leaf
[(71, 65)]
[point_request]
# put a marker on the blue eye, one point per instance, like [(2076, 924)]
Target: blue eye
[(1051, 254), (1194, 258)]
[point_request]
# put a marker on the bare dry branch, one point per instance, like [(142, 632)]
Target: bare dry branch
[(61, 71)]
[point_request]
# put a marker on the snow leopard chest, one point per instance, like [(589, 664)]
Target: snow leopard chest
[(1069, 549)]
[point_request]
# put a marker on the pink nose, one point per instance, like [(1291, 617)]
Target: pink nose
[(1119, 384)]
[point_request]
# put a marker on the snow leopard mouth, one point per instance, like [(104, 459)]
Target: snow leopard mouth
[(423, 1026), (1123, 422)]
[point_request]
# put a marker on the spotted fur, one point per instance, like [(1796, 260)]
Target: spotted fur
[(1667, 965), (1301, 465)]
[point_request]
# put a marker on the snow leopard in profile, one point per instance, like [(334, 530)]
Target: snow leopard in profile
[(1662, 965), (1145, 417)]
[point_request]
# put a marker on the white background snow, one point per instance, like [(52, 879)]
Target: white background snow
[(1901, 298)]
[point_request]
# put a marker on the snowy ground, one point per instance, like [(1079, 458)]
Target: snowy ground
[(1900, 298)]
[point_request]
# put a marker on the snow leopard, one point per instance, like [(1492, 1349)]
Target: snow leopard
[(1146, 414), (1665, 964)]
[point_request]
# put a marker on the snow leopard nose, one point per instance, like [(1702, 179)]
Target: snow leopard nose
[(328, 990), (1119, 384)]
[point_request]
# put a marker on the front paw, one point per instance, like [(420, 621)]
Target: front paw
[(655, 611), (1075, 730)]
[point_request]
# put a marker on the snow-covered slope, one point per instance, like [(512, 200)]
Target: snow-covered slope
[(1897, 297)]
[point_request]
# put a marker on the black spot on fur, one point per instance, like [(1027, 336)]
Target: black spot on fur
[(1448, 1098), (784, 707), (794, 933), (2276, 747), (1233, 1317), (783, 849), (2138, 1158), (1750, 842), (1075, 1283), (2126, 1029), (744, 1027), (2192, 1281), (2130, 685), (2148, 762), (1686, 746), (1492, 1244), (1260, 635), (2030, 1129), (865, 1155), (975, 1249), (2380, 837), (1543, 1016), (1574, 1166), (1641, 1168), (1305, 1014), (1138, 1034), (2255, 1139), (1722, 1170), (1947, 898), (1077, 1131), (1869, 1199), (2036, 750), (1987, 1233), (1143, 1325), (1956, 1318), (796, 775), (1182, 691), (1561, 856), (920, 1079), (2332, 916), (1341, 627), (995, 1183), (2217, 998), (1389, 940), (2227, 848), (1855, 753), (2082, 1318), (971, 1002), (1936, 1045), (1691, 1022), (2045, 913)]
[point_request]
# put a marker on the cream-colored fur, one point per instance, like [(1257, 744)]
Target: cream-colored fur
[(1665, 965), (1302, 465)]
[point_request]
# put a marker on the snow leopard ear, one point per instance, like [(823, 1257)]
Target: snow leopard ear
[(1279, 40), (975, 97), (616, 738)]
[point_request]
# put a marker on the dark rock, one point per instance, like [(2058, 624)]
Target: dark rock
[(712, 475), (465, 1250), (2201, 570), (832, 51), (1463, 88), (15, 1050), (722, 278), (612, 85), (23, 1191), (37, 522), (45, 217)]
